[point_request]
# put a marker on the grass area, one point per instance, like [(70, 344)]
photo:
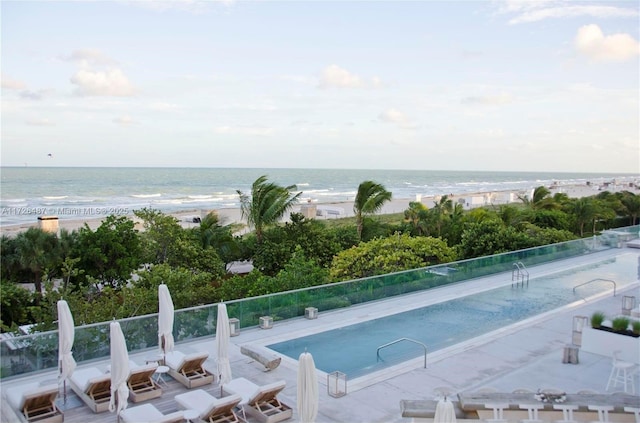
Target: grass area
[(386, 219)]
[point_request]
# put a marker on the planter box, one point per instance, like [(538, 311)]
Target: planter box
[(605, 343)]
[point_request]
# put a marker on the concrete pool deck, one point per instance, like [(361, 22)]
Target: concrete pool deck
[(525, 355)]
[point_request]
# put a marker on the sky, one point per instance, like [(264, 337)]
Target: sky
[(545, 85)]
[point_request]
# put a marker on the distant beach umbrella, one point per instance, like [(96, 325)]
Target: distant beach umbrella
[(119, 369), (66, 336), (222, 345), (308, 395), (165, 319)]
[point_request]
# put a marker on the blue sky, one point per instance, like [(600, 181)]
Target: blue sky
[(545, 85)]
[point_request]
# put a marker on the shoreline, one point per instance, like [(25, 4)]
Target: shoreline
[(332, 209)]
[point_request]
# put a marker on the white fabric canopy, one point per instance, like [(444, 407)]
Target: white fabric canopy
[(222, 345), (445, 412), (308, 395), (66, 335), (165, 319), (119, 369)]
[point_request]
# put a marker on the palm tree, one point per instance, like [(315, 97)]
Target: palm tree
[(440, 211), (416, 215), (631, 203), (541, 199), (369, 199), (267, 204), (213, 232), (37, 251)]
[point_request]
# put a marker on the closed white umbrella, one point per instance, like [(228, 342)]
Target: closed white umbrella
[(222, 345), (66, 335), (165, 319), (445, 412), (308, 396), (119, 369)]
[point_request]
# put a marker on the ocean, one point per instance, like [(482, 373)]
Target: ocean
[(85, 193)]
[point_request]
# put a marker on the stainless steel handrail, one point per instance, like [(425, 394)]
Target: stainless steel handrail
[(400, 340), (597, 280), (519, 273)]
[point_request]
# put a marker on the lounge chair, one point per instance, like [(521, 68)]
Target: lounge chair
[(35, 403), (141, 385), (187, 369), (210, 408), (261, 402), (93, 386), (149, 413)]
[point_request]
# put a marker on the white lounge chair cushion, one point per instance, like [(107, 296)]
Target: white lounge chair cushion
[(146, 413), (17, 395), (202, 401), (249, 390), (176, 359), (85, 377), (142, 369)]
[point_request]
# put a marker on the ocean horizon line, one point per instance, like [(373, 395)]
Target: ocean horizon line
[(559, 172)]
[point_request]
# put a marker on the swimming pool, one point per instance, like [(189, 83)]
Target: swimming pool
[(352, 349)]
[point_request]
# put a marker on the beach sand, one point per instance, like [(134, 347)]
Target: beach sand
[(333, 210)]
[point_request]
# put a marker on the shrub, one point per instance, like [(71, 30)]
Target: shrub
[(620, 324), (596, 319), (635, 327)]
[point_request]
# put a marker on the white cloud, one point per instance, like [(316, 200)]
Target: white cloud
[(12, 84), (163, 106), (40, 122), (393, 116), (89, 57), (538, 10), (124, 120), (591, 42), (333, 76), (244, 130), (108, 83), (491, 100)]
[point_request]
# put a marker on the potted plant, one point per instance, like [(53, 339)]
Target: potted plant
[(596, 319), (620, 324)]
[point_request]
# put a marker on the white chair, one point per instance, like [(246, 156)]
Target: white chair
[(567, 412), (532, 411), (603, 411), (635, 411), (622, 372), (498, 412)]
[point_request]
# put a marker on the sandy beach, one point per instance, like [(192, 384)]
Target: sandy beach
[(334, 210)]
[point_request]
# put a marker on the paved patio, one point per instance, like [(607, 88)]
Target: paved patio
[(525, 355)]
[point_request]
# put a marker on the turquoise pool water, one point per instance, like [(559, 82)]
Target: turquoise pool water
[(352, 349)]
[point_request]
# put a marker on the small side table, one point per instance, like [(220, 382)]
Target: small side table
[(160, 371), (190, 415), (159, 358)]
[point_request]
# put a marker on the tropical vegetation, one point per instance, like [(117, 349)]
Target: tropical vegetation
[(113, 271)]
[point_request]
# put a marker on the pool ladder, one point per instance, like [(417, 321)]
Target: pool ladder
[(597, 280), (519, 274), (400, 340)]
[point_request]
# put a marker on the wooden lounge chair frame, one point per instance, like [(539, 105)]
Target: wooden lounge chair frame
[(267, 408), (97, 394), (40, 406), (141, 385), (222, 410), (260, 402), (191, 373)]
